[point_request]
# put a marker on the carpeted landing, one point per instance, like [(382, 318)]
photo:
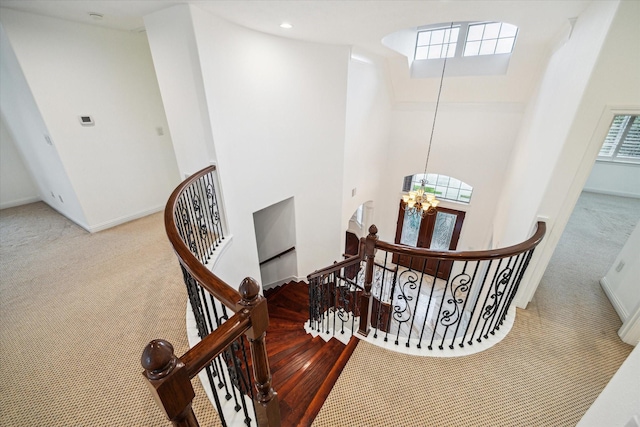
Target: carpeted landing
[(76, 310), (560, 354)]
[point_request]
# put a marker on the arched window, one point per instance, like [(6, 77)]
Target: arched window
[(443, 186)]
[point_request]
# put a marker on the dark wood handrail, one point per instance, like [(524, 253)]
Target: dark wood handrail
[(169, 376), (212, 283), (201, 354), (286, 251), (530, 243), (377, 264), (335, 267)]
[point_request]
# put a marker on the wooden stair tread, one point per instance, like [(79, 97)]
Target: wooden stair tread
[(304, 368)]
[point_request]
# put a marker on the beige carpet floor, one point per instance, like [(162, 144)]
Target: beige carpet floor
[(76, 310), (560, 354)]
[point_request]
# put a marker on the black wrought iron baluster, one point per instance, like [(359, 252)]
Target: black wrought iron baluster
[(222, 380), (215, 207), (321, 286), (325, 304), (392, 297), (311, 303), (249, 377), (185, 225), (500, 285), (464, 306), (415, 307), (205, 226), (216, 399), (178, 215), (380, 299), (193, 206), (426, 316), (354, 303), (403, 314), (527, 257), (209, 190), (475, 304), (435, 324), (484, 304), (240, 381), (211, 223), (194, 299), (335, 300), (233, 378), (459, 284), (506, 294), (509, 296)]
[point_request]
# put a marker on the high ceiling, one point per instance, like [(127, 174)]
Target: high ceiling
[(361, 23)]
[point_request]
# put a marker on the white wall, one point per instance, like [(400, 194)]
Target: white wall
[(28, 130), (277, 112), (472, 142), (367, 134), (121, 168), (596, 70), (623, 286), (549, 119), (619, 179), (16, 185), (177, 64)]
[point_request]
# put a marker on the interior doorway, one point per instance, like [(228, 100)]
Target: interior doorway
[(275, 230)]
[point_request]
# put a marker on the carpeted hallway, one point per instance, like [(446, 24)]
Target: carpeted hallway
[(76, 310), (560, 354)]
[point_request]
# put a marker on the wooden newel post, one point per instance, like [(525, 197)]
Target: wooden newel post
[(266, 401), (366, 302), (169, 382)]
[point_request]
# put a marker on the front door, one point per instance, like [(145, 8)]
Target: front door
[(439, 232)]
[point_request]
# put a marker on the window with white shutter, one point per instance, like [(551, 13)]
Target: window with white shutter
[(622, 143)]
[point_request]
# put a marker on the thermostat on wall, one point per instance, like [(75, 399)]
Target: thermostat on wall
[(86, 120)]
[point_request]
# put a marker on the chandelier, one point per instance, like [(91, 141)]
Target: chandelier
[(421, 201)]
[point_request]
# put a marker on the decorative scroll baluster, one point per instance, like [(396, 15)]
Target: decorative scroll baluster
[(474, 293), (460, 284), (455, 334)]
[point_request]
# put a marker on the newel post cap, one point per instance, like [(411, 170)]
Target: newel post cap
[(249, 289), (158, 359)]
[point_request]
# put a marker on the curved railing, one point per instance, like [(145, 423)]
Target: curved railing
[(223, 315), (418, 298)]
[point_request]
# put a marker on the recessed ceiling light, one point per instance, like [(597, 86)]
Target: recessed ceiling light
[(286, 26)]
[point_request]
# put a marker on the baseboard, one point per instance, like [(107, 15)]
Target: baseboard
[(615, 302), (612, 193), (19, 202), (283, 281), (124, 219)]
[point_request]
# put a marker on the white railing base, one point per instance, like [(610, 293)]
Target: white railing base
[(457, 351)]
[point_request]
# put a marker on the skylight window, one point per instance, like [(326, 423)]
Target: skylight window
[(490, 38), (437, 43)]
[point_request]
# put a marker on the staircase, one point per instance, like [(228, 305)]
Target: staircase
[(304, 368)]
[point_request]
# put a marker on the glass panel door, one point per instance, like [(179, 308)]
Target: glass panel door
[(443, 231), (410, 229)]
